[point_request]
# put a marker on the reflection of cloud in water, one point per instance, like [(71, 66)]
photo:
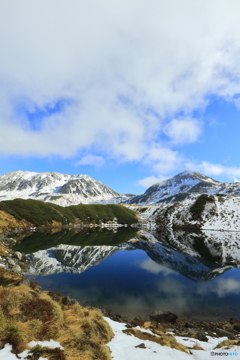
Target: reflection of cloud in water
[(175, 294), (221, 287), (167, 295), (155, 268)]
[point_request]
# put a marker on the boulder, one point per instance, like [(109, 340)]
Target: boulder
[(18, 255), (25, 282), (191, 331), (67, 300), (137, 322), (201, 336), (163, 317), (221, 332), (11, 262), (16, 269)]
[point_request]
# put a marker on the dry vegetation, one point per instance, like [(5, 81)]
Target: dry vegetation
[(162, 339), (227, 344), (9, 222), (27, 314)]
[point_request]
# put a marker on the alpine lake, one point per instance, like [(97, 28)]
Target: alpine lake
[(134, 272)]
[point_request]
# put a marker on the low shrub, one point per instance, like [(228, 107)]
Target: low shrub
[(198, 206)]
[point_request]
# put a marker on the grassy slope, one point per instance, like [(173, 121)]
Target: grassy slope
[(39, 213), (27, 314), (98, 213)]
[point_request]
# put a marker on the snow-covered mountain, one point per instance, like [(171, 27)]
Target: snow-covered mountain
[(67, 190), (183, 186), (55, 187)]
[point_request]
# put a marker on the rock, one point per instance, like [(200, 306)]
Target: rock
[(55, 295), (115, 317), (25, 282), (163, 317), (191, 331), (201, 336), (67, 300), (11, 262), (236, 327), (141, 346), (128, 326), (154, 324), (18, 255), (234, 321), (221, 332), (16, 269), (137, 322)]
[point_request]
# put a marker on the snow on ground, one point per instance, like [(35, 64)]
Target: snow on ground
[(6, 354), (227, 216), (123, 347)]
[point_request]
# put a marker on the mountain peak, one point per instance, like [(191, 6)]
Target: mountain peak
[(183, 186), (55, 187)]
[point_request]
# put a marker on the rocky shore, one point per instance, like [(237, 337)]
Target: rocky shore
[(167, 322)]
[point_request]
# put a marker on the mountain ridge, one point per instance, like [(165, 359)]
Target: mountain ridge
[(65, 190), (183, 186), (62, 189)]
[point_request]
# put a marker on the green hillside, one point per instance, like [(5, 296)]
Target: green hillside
[(104, 213), (40, 213)]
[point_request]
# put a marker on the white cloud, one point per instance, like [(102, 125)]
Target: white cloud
[(91, 160), (150, 180), (126, 67), (183, 130), (218, 169)]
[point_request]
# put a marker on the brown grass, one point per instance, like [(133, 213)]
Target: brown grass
[(9, 279), (227, 344), (164, 340), (26, 315), (196, 347), (8, 222)]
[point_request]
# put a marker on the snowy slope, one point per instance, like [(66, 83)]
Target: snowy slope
[(55, 187), (124, 347), (182, 186), (222, 213)]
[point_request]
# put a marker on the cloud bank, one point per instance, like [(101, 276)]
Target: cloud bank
[(114, 80)]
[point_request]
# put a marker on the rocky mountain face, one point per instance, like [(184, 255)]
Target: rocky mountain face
[(55, 187), (66, 190), (183, 186)]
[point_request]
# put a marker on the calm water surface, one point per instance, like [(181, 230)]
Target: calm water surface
[(138, 277)]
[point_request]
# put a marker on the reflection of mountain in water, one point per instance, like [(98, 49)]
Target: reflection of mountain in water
[(199, 257)]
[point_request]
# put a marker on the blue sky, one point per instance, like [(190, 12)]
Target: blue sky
[(128, 93)]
